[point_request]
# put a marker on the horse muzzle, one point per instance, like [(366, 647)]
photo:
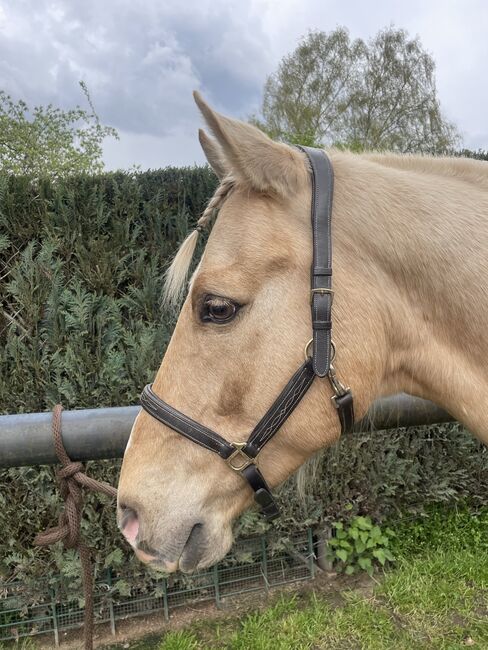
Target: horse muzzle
[(186, 546)]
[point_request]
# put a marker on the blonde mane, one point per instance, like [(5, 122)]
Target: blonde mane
[(464, 169), (177, 274)]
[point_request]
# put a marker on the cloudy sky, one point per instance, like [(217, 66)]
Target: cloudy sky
[(142, 58)]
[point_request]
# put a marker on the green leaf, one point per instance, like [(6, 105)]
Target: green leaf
[(122, 587), (342, 554), (364, 536), (353, 532), (365, 563), (345, 544), (360, 546), (349, 570), (364, 523), (375, 532), (115, 558), (380, 555)]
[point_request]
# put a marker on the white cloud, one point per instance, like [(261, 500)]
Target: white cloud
[(177, 149)]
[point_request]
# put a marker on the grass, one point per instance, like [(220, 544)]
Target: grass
[(435, 597)]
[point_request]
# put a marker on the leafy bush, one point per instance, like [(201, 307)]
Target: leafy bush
[(82, 263), (360, 545), (46, 140)]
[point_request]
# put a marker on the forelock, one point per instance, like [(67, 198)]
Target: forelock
[(177, 274)]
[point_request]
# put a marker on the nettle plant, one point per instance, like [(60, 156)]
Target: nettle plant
[(360, 545)]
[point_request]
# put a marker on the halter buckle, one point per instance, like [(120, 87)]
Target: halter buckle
[(322, 291), (239, 460)]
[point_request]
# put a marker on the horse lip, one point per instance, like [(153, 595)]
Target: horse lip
[(145, 548), (158, 560), (155, 558)]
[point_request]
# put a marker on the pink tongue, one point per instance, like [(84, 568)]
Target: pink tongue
[(131, 529)]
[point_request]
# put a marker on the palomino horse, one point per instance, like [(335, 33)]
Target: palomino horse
[(410, 241)]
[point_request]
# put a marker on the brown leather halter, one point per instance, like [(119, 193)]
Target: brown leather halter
[(242, 456)]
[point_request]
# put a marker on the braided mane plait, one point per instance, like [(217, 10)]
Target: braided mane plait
[(177, 273)]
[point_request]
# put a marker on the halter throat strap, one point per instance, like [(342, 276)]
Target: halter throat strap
[(242, 457)]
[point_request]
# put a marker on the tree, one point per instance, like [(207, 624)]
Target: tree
[(480, 154), (376, 95), (49, 141)]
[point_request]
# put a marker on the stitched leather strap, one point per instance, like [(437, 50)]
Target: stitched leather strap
[(181, 423), (281, 409), (321, 274)]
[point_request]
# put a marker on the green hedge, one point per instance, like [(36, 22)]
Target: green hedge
[(81, 264)]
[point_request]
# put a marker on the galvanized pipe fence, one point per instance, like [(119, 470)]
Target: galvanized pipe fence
[(95, 434)]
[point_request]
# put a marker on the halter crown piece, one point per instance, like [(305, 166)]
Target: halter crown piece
[(242, 457)]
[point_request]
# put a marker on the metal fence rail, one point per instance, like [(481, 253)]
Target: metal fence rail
[(92, 434), (54, 608)]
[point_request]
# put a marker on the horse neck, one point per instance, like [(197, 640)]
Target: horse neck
[(411, 256)]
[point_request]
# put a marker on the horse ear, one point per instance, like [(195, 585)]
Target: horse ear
[(213, 154), (253, 157)]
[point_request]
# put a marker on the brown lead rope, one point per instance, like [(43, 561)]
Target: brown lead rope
[(72, 479)]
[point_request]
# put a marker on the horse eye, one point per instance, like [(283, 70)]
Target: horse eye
[(218, 310)]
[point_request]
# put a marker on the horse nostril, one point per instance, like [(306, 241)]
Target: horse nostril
[(194, 549), (129, 523)]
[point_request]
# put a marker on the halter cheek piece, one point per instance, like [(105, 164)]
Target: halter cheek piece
[(242, 456)]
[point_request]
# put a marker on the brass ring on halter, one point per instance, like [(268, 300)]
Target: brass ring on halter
[(239, 460), (309, 343)]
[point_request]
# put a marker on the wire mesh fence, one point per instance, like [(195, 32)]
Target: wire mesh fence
[(53, 609)]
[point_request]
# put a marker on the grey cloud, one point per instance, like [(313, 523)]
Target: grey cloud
[(141, 62), (141, 59)]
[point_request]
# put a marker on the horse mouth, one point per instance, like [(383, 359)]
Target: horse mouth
[(191, 555)]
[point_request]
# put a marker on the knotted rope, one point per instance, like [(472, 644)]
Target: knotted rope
[(72, 479)]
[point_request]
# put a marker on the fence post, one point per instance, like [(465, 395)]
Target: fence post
[(110, 602), (323, 560), (165, 600), (264, 561), (218, 602), (311, 554), (55, 618)]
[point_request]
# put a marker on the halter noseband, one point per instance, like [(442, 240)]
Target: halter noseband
[(242, 456)]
